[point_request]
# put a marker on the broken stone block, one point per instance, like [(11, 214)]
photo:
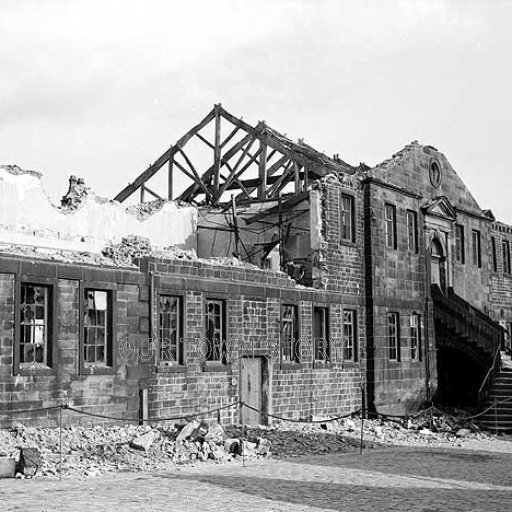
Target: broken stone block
[(350, 425), (187, 430), (263, 447), (30, 461), (199, 433), (463, 432), (7, 467), (144, 441), (249, 448), (233, 446), (217, 453), (215, 434)]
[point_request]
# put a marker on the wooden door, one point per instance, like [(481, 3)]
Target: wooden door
[(251, 373)]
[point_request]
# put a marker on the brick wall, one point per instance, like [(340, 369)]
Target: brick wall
[(115, 393), (253, 300)]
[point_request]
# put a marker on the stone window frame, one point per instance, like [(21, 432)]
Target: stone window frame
[(52, 318), (393, 338), (390, 226), (412, 235), (110, 365), (460, 249), (328, 356), (505, 254), (294, 361), (476, 247), (164, 366), (351, 217), (223, 363), (415, 334), (354, 347)]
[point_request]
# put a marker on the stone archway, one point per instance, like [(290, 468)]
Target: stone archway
[(437, 264)]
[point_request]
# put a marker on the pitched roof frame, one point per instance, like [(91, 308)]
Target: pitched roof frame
[(278, 160)]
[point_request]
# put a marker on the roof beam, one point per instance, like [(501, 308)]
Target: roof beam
[(162, 159)]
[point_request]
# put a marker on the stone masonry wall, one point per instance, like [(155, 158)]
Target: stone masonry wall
[(115, 392)]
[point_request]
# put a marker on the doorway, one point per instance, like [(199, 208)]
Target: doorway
[(254, 390)]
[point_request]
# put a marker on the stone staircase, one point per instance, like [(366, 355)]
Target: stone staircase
[(499, 399)]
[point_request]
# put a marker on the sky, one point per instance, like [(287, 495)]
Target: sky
[(101, 88)]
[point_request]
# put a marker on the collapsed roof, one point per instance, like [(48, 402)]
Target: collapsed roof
[(269, 163)]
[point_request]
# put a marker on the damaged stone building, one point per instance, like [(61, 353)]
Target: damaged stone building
[(251, 268)]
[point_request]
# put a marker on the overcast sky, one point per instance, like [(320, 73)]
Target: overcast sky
[(101, 88)]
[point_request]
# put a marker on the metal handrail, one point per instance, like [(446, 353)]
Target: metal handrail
[(490, 372)]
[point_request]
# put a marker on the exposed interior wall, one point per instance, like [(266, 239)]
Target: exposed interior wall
[(288, 233), (27, 217)]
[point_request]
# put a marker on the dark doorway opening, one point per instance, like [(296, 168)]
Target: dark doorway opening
[(459, 378)]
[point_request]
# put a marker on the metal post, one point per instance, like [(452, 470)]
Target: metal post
[(243, 433), (60, 442), (361, 440), (496, 416), (363, 412)]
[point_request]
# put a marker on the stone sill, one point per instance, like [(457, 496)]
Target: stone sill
[(215, 367), (161, 368)]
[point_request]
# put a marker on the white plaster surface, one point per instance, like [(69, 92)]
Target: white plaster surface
[(28, 217)]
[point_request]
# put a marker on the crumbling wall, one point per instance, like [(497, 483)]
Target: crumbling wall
[(84, 222)]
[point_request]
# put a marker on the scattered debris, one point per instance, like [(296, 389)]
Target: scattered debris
[(92, 451), (131, 247)]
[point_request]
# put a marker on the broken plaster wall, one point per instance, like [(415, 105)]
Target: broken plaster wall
[(28, 217)]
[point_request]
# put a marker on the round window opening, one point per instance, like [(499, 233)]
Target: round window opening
[(435, 174)]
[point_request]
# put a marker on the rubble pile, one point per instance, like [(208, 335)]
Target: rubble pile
[(92, 451), (128, 249), (426, 430), (301, 439), (86, 258)]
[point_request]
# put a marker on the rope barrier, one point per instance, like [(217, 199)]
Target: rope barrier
[(353, 413), (106, 417), (37, 409), (269, 415)]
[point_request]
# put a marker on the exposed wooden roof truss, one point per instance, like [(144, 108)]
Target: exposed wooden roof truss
[(252, 162)]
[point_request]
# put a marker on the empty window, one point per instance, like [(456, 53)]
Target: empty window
[(215, 330), (289, 333), (477, 256), (97, 328), (460, 255), (494, 255), (394, 336), (390, 225), (415, 332), (321, 334), (349, 335), (506, 256), (347, 218), (35, 326), (170, 329), (412, 231)]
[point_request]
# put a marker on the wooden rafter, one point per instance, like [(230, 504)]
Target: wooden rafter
[(277, 162)]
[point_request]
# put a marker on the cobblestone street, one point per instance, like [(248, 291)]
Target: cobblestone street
[(401, 479)]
